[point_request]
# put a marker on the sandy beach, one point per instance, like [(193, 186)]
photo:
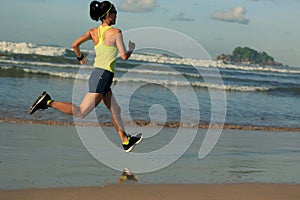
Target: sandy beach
[(145, 123), (44, 156), (243, 191)]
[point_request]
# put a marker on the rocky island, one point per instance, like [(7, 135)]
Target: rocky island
[(248, 56)]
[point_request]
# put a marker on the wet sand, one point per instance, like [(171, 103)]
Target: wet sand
[(245, 191), (144, 123)]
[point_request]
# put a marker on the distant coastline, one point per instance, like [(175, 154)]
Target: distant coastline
[(246, 55)]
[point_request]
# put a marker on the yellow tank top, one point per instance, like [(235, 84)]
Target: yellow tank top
[(105, 55)]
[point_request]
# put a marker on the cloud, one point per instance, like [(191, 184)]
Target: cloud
[(273, 1), (137, 5), (237, 15), (261, 0), (181, 17)]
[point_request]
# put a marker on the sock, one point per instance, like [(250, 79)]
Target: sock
[(49, 102), (127, 142)]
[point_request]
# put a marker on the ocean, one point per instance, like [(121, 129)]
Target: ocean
[(158, 87), (158, 92)]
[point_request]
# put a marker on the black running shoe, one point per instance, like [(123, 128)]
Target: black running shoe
[(40, 103), (133, 140)]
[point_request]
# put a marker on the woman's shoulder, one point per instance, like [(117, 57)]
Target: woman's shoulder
[(93, 30), (115, 30)]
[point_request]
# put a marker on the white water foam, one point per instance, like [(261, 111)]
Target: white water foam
[(240, 88), (52, 73), (44, 64), (157, 72), (209, 63), (150, 81), (30, 48)]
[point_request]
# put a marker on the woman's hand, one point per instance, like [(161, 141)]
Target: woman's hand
[(131, 46), (83, 61)]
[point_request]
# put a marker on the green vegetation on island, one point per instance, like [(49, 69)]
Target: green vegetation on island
[(249, 56)]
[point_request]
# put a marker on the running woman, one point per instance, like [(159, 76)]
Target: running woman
[(108, 42)]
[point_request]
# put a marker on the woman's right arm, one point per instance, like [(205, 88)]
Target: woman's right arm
[(76, 44)]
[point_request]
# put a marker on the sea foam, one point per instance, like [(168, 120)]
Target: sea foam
[(30, 48)]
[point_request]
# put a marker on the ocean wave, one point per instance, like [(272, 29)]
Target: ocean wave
[(58, 74), (30, 48), (160, 77), (118, 69), (258, 68), (165, 82), (16, 71), (43, 64), (240, 88), (157, 72), (209, 64)]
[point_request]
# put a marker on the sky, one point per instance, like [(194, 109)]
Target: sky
[(218, 25)]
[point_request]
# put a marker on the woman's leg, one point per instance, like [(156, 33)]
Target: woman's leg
[(115, 110), (90, 101)]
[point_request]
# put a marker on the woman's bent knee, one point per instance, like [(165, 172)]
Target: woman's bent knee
[(81, 114)]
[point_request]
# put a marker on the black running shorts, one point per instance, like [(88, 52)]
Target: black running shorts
[(100, 81)]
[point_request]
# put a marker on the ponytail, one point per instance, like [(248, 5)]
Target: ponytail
[(98, 10)]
